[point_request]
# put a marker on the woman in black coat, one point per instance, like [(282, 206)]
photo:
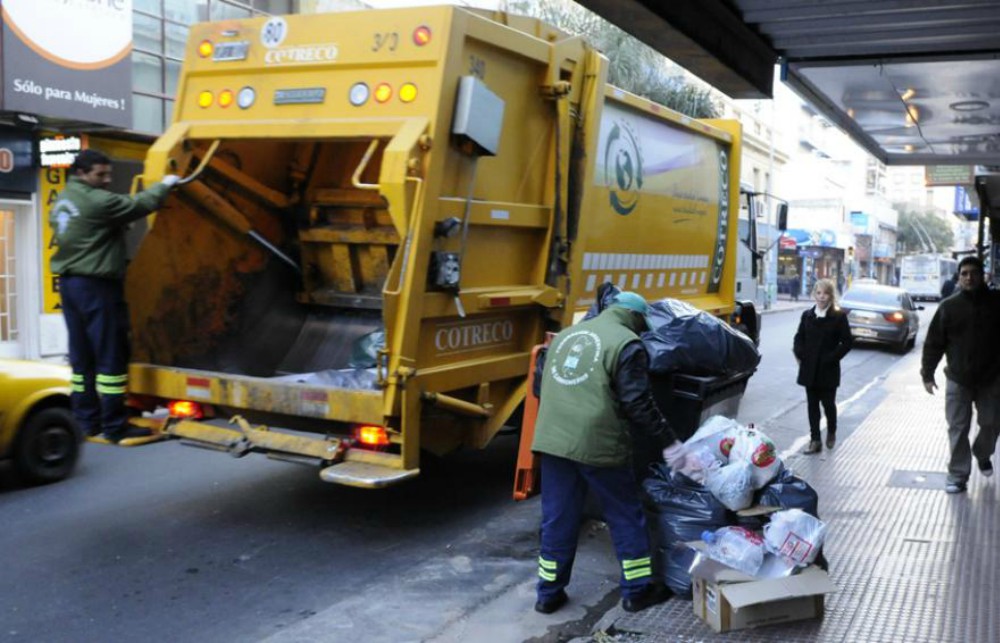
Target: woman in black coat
[(822, 340)]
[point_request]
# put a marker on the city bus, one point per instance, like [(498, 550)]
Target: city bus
[(923, 275)]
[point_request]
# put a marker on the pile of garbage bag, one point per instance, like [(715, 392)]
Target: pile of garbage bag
[(730, 467)]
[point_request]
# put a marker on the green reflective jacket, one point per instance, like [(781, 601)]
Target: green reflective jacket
[(578, 415), (89, 227)]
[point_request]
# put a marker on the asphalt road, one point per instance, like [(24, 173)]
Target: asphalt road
[(178, 544)]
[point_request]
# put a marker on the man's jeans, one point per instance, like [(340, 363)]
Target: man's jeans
[(958, 403)]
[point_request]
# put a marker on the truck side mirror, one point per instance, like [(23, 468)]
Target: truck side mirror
[(782, 216)]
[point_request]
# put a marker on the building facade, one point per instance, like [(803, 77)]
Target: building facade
[(63, 90)]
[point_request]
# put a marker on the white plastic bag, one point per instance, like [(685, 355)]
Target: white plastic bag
[(755, 448), (732, 485), (699, 462), (717, 435), (795, 535)]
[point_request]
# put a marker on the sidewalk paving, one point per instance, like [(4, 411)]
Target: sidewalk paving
[(913, 564)]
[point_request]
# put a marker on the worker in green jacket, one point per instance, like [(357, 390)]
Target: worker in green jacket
[(89, 225), (595, 389)]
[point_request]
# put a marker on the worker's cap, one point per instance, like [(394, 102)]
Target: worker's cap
[(632, 301)]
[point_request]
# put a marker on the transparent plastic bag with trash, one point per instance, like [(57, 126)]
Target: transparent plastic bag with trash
[(795, 535), (736, 547), (732, 485)]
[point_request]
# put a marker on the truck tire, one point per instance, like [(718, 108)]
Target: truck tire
[(47, 446)]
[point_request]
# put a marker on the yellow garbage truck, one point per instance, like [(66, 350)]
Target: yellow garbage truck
[(382, 212)]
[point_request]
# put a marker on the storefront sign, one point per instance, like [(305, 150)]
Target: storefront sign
[(69, 59), (51, 182), (16, 162), (859, 222), (945, 175), (59, 151)]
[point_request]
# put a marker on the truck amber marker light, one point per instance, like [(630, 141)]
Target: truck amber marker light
[(205, 99), (205, 48), (383, 92), (225, 98)]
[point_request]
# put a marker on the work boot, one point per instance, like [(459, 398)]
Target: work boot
[(552, 603), (652, 594), (814, 447)]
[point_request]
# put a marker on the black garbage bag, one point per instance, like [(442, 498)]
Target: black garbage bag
[(685, 339), (606, 292), (789, 491), (679, 510)]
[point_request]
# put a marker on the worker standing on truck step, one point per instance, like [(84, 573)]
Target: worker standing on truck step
[(89, 224), (594, 387)]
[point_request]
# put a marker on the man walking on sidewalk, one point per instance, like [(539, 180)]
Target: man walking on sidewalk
[(89, 225), (964, 329)]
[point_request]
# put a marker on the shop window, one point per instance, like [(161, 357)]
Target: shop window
[(147, 72), (8, 290), (147, 6), (176, 36), (223, 11), (186, 11), (173, 75), (147, 114), (146, 33)]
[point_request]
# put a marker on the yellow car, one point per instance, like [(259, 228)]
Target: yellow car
[(37, 429)]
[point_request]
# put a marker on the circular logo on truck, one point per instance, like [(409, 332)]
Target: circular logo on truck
[(623, 168)]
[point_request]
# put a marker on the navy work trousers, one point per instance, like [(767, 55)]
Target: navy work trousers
[(97, 321), (564, 490)]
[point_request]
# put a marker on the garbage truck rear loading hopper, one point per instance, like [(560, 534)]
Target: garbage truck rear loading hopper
[(463, 180)]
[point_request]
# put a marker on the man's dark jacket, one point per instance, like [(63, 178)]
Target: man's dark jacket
[(966, 328)]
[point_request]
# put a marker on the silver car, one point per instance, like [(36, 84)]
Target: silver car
[(882, 314)]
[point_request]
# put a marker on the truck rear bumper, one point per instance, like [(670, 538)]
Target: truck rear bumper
[(343, 465)]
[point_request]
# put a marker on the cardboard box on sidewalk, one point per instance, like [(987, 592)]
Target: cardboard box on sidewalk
[(728, 600)]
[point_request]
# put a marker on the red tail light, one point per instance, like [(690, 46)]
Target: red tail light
[(895, 317), (371, 435), (186, 410)]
